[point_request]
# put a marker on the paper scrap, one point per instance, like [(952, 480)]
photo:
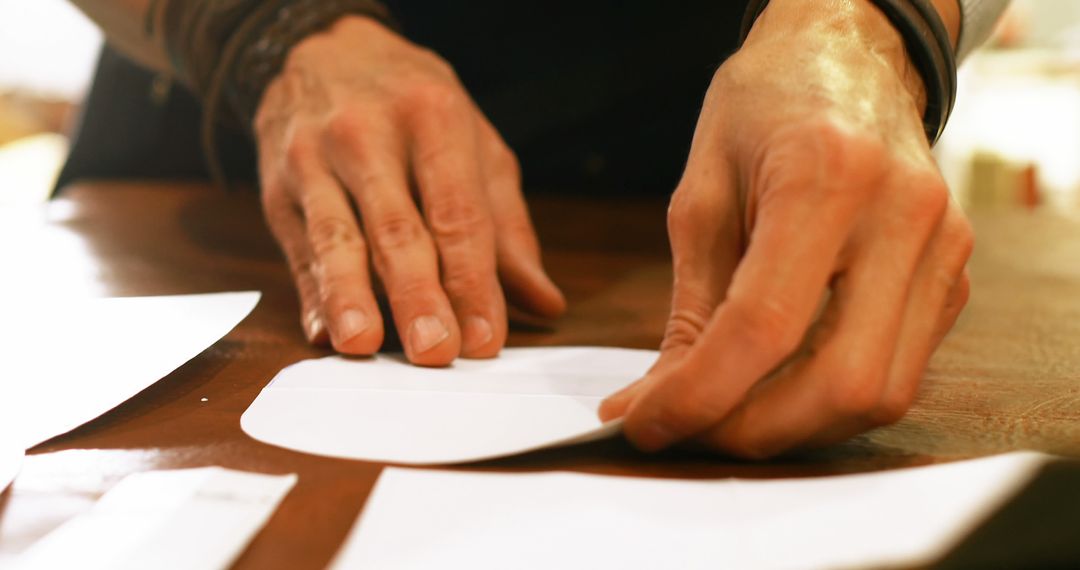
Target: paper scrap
[(73, 360), (908, 517), (192, 518), (384, 409)]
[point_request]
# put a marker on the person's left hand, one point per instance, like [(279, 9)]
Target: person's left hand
[(819, 260)]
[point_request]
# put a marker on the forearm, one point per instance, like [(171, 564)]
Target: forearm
[(125, 25)]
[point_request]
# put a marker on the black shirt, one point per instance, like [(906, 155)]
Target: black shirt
[(600, 96)]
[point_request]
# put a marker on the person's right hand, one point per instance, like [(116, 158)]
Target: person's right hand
[(376, 166)]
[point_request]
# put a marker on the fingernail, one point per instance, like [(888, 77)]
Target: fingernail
[(351, 323), (427, 332), (608, 409), (313, 326), (654, 437), (616, 405), (477, 332)]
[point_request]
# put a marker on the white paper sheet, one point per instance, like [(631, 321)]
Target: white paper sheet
[(11, 456), (437, 519), (191, 518), (384, 409), (73, 360)]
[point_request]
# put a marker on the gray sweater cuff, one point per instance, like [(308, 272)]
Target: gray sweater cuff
[(980, 16)]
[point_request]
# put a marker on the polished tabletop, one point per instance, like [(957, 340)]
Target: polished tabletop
[(1007, 378)]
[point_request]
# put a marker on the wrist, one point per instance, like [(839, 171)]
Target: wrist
[(837, 28), (929, 39), (266, 53), (320, 44)]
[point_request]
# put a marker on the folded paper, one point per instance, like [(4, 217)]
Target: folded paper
[(384, 409)]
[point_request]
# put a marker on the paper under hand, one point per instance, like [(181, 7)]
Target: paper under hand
[(384, 409), (418, 519)]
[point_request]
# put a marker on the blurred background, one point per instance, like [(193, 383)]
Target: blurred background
[(47, 53), (1014, 140)]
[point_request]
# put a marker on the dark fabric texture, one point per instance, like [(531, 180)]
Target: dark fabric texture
[(598, 96), (124, 133)]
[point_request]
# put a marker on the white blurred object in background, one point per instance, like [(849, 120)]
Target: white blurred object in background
[(1014, 138), (47, 53), (1021, 107), (30, 165), (47, 47)]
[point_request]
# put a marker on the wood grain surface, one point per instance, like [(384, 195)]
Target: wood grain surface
[(1007, 378)]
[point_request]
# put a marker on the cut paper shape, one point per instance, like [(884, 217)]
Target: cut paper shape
[(384, 409), (73, 360), (904, 518), (189, 518)]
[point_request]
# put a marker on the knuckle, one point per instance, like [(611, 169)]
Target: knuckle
[(412, 289), (301, 268), (690, 212), (960, 236), (686, 322), (845, 151), (435, 62), (434, 97), (680, 208), (769, 325), (468, 281), (331, 233), (350, 129), (453, 216), (927, 202), (683, 329), (836, 162), (505, 163), (396, 232), (301, 153)]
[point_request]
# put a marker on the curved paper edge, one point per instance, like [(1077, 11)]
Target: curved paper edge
[(608, 430), (245, 303)]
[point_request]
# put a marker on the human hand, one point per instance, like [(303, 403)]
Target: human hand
[(376, 166), (818, 258)]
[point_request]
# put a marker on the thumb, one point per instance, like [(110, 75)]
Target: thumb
[(706, 245), (686, 322)]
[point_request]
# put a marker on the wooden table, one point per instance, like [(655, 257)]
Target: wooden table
[(1007, 378)]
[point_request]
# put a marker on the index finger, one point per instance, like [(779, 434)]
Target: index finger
[(802, 223)]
